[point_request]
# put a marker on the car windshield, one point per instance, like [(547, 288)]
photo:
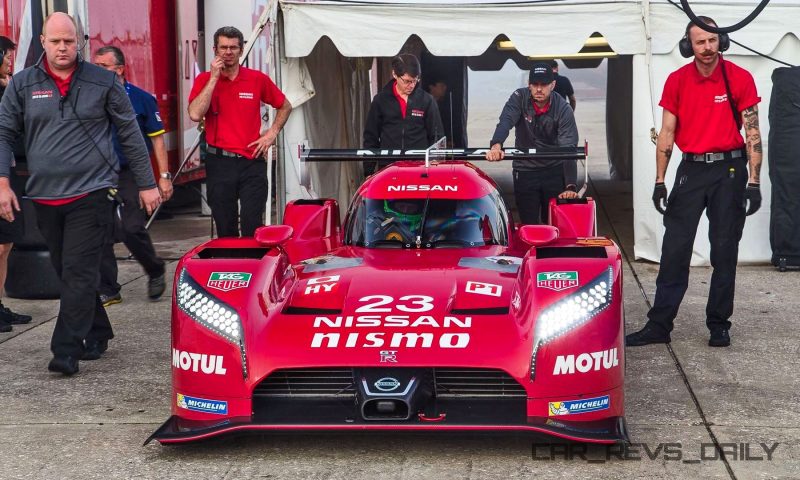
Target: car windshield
[(426, 222)]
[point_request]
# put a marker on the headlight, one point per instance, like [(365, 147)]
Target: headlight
[(572, 311), (210, 312)]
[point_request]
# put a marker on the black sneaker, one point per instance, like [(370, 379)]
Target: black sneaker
[(156, 287), (108, 300), (93, 350), (65, 365), (719, 338), (4, 326), (7, 316), (647, 335)]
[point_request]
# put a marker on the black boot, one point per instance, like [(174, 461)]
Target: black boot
[(719, 338), (66, 365), (649, 334), (13, 318)]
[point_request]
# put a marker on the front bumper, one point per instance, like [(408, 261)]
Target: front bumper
[(605, 431)]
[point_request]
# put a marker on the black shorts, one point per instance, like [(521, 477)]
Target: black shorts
[(11, 232)]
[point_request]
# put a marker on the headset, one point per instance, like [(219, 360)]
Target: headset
[(685, 46)]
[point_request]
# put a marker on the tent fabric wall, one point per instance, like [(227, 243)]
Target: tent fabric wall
[(328, 113), (619, 110), (335, 118), (467, 28)]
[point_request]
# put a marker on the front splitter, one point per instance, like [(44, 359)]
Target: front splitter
[(607, 431)]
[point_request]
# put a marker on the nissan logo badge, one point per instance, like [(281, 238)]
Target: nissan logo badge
[(387, 384)]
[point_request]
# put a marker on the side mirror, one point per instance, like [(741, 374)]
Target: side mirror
[(273, 235), (537, 235)]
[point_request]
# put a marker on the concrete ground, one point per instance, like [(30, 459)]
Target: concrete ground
[(685, 401)]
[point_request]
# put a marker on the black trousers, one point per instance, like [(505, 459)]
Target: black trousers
[(718, 188), (130, 230), (230, 179), (533, 190), (75, 234)]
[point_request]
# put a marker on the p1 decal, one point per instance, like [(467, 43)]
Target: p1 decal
[(572, 407), (227, 281), (479, 288), (557, 280), (217, 407)]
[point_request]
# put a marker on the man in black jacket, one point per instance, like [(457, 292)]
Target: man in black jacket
[(402, 116), (540, 120)]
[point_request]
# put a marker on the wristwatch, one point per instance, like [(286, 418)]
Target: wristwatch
[(166, 175)]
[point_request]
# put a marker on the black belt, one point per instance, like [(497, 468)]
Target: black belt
[(714, 156), (222, 153)]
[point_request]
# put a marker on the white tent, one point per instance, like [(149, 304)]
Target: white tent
[(645, 32)]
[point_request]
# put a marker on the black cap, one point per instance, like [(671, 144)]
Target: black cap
[(541, 73)]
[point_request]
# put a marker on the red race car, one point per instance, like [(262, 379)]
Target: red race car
[(428, 309)]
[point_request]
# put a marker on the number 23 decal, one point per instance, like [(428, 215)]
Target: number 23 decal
[(408, 303)]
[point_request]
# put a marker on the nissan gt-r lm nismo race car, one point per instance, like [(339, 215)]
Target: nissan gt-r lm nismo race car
[(426, 310)]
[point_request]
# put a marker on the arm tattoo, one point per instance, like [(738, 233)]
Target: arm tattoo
[(750, 118), (753, 141), (668, 152)]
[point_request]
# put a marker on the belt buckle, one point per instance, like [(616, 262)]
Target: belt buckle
[(707, 158)]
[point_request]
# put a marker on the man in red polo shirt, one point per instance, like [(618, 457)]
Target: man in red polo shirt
[(704, 108), (230, 97)]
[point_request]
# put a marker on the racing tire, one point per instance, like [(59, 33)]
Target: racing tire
[(31, 275)]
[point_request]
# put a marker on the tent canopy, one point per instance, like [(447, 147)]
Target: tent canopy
[(646, 33), (467, 28)]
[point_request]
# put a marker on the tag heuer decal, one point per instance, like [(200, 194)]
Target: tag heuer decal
[(227, 281), (557, 280)]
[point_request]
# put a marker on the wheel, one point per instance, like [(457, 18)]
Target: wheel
[(31, 275)]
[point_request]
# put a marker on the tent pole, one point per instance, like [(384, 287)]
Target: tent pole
[(649, 61)]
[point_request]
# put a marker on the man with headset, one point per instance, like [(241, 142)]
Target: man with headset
[(705, 103), (64, 108), (134, 234), (229, 97)]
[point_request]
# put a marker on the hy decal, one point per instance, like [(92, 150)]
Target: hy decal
[(557, 280), (227, 281)]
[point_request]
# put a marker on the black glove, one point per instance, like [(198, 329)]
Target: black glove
[(659, 196), (752, 195)]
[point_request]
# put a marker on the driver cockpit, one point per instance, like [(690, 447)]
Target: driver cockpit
[(427, 222)]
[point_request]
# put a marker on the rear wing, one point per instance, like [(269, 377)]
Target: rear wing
[(467, 154)]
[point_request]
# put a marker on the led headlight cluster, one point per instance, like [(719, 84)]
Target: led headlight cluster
[(210, 312), (572, 311)]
